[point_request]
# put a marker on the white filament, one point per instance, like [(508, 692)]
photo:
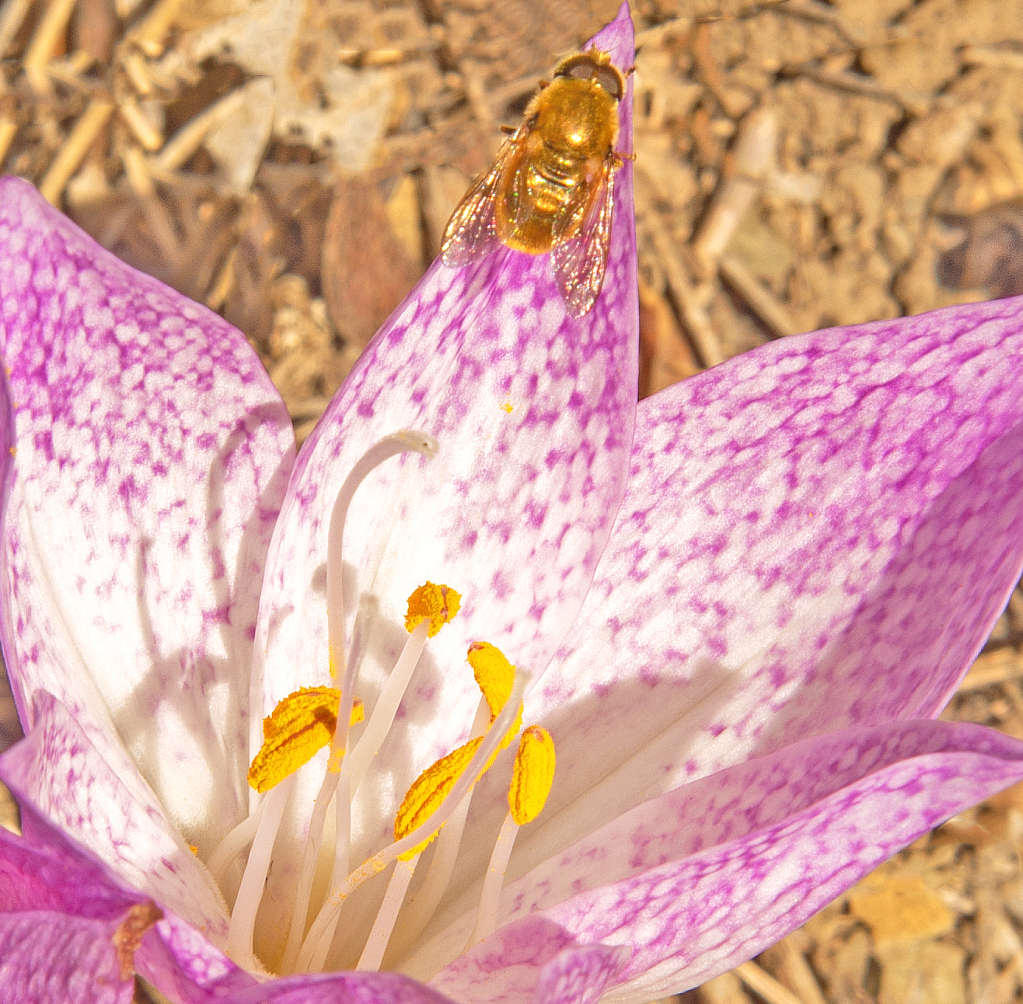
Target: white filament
[(300, 906), (250, 892), (317, 942), (493, 881), (400, 442), (233, 844), (355, 764), (386, 707), (376, 943)]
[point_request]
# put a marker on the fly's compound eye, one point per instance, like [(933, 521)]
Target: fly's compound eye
[(578, 67), (584, 66), (610, 79)]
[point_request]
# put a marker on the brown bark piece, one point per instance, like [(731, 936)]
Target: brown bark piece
[(367, 268)]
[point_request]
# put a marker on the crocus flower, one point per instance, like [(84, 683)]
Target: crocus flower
[(736, 609)]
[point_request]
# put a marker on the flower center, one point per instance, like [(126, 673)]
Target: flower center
[(435, 807)]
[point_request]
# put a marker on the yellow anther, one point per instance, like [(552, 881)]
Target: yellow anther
[(494, 674), (532, 775), (301, 725), (428, 791), (432, 786), (437, 604)]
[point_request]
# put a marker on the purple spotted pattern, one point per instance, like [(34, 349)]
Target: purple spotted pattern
[(58, 916), (59, 772), (827, 529), (152, 454), (533, 411), (709, 874)]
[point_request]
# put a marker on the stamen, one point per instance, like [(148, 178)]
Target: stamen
[(532, 777), (233, 844), (297, 729), (430, 607), (250, 892), (317, 942), (428, 791), (494, 674), (424, 904), (380, 935)]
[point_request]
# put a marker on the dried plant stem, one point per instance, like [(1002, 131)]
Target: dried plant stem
[(73, 152), (10, 22), (44, 42), (142, 129), (773, 315), (190, 137), (8, 130), (765, 985)]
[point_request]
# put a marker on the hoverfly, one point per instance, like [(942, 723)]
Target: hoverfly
[(551, 187)]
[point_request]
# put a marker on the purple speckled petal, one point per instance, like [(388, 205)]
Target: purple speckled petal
[(51, 958), (59, 918), (711, 874), (58, 771), (534, 412), (579, 975), (152, 453), (340, 988), (189, 971), (817, 534), (177, 960), (537, 964), (42, 870)]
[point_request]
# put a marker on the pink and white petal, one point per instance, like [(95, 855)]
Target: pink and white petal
[(152, 455), (817, 534), (720, 869), (59, 773), (533, 411), (41, 870), (540, 964), (62, 921), (53, 958), (580, 975), (176, 959), (341, 988)]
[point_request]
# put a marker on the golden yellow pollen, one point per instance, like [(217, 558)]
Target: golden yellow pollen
[(428, 791), (494, 674), (532, 775), (432, 786), (301, 725), (437, 604)]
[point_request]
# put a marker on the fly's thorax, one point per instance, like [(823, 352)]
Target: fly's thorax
[(577, 119)]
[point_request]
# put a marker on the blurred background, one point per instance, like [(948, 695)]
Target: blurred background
[(800, 163)]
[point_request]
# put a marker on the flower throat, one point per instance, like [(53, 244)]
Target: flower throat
[(435, 807)]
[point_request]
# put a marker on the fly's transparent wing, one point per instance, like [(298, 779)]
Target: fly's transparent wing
[(579, 261), (471, 232)]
